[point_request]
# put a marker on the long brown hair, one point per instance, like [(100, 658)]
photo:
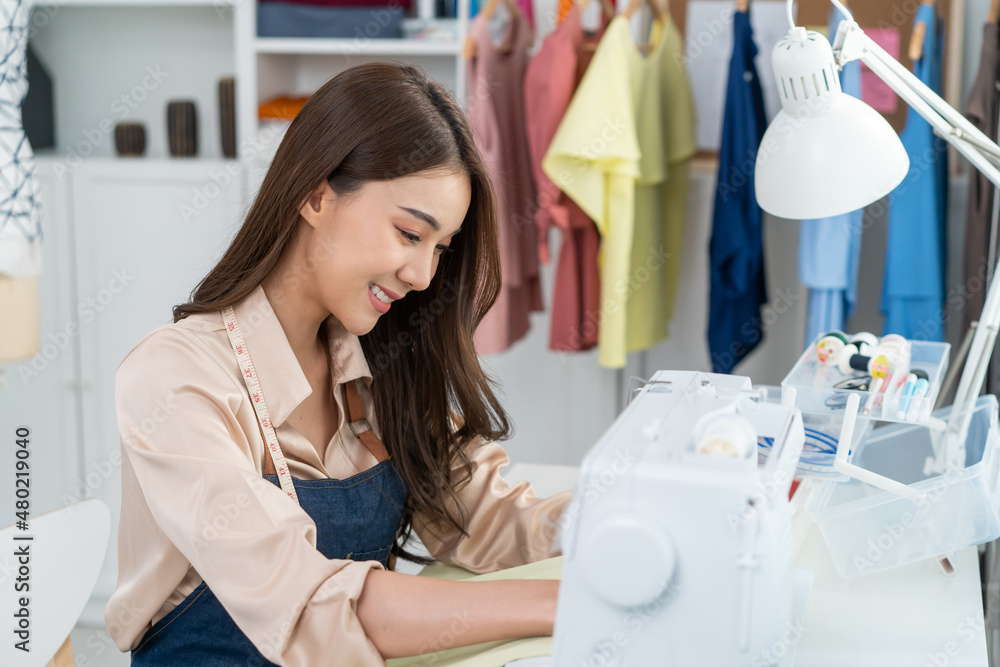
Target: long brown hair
[(377, 122)]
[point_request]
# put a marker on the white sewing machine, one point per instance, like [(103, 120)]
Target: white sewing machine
[(677, 546)]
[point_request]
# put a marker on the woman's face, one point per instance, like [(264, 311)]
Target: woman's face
[(383, 241)]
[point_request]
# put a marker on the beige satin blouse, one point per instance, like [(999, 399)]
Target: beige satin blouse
[(195, 505)]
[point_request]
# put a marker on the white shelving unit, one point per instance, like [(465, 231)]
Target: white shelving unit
[(55, 4), (269, 66), (347, 47), (112, 62)]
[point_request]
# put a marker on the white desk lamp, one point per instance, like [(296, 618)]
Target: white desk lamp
[(827, 153)]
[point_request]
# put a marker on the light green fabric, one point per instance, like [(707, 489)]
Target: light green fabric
[(490, 654)]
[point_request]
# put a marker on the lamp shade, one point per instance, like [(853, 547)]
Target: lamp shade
[(826, 152)]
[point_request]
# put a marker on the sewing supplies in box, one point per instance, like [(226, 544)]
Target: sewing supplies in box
[(898, 379)]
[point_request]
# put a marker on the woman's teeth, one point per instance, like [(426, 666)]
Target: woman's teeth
[(379, 293)]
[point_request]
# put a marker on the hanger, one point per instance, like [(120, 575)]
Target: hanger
[(469, 51), (916, 50), (635, 4), (658, 15), (607, 10)]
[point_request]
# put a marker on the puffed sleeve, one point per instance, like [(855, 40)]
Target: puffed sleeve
[(507, 525), (254, 547)]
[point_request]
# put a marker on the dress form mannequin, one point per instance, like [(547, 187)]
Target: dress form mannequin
[(20, 216)]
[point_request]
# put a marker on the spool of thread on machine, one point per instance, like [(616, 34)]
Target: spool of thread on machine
[(728, 436)]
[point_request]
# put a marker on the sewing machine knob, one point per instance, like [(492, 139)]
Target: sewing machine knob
[(628, 561)]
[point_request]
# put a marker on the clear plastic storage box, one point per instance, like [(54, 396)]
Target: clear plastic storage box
[(867, 529), (822, 431), (815, 391)]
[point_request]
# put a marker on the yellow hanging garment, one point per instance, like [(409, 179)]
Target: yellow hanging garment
[(621, 153)]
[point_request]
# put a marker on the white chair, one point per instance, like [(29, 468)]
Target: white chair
[(66, 554)]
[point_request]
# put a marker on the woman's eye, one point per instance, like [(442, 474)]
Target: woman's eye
[(412, 238)]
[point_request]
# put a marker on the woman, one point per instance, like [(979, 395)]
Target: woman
[(320, 399)]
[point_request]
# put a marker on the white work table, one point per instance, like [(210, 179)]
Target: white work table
[(909, 616)]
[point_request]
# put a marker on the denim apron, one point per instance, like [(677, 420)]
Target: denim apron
[(356, 518)]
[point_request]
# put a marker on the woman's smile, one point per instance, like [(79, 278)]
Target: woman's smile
[(380, 300)]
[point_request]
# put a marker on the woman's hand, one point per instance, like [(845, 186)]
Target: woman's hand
[(407, 615)]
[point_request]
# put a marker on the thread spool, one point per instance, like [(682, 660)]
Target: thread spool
[(897, 349), (843, 361), (864, 341), (829, 346), (728, 436), (877, 366)]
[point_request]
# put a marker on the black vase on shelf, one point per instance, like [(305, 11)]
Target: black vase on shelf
[(182, 128), (37, 109), (227, 116), (130, 139)]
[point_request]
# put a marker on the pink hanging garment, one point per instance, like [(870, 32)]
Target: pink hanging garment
[(552, 77), (495, 108)]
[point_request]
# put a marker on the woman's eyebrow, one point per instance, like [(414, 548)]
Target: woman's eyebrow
[(426, 217)]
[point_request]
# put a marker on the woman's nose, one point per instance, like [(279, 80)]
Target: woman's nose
[(419, 270)]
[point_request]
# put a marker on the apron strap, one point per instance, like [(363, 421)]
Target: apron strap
[(356, 413), (353, 406)]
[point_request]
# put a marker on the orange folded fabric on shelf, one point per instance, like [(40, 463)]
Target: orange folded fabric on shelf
[(281, 108)]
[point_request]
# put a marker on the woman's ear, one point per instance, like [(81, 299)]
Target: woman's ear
[(317, 205)]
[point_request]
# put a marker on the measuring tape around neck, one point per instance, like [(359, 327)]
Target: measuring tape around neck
[(257, 400)]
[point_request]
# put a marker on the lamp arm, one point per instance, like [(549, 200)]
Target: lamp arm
[(851, 44)]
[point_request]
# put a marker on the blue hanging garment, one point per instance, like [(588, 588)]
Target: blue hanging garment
[(915, 260), (830, 248), (736, 249)]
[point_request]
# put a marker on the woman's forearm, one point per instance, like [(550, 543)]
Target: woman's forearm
[(406, 615)]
